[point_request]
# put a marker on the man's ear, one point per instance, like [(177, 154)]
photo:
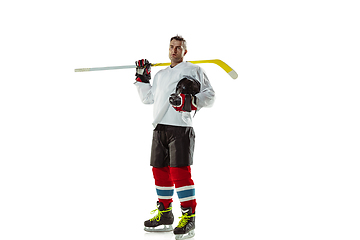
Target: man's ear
[(185, 52)]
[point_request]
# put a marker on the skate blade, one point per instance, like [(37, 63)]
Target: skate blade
[(185, 236), (161, 228)]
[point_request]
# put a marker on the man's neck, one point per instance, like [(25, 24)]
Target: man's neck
[(173, 64)]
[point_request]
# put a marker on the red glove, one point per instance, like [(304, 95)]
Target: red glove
[(183, 102)]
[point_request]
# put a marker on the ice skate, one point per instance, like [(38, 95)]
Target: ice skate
[(186, 226), (162, 222)]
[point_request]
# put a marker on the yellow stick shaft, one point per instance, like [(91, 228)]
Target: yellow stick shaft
[(218, 62)]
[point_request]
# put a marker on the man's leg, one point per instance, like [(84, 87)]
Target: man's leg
[(164, 185), (164, 219), (185, 188)]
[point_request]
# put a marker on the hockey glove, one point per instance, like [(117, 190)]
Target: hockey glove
[(183, 102), (143, 71)]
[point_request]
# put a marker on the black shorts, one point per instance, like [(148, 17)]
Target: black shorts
[(172, 146)]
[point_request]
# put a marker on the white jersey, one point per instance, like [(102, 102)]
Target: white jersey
[(164, 84)]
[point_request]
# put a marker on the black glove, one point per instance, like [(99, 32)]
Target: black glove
[(184, 100), (143, 71)]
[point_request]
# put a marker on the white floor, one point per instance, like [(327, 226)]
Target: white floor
[(279, 206)]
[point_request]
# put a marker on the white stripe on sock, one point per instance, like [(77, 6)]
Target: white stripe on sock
[(164, 188), (187, 199), (185, 188)]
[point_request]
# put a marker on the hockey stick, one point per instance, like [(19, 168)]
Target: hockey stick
[(218, 62)]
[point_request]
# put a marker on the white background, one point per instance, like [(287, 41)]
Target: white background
[(276, 156)]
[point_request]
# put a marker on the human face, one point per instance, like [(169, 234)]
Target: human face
[(176, 52)]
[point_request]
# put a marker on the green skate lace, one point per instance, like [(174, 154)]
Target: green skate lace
[(158, 216), (184, 219)]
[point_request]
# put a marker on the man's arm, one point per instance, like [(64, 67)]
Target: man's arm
[(206, 96), (145, 93)]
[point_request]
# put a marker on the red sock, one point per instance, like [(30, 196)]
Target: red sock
[(185, 188), (164, 185)]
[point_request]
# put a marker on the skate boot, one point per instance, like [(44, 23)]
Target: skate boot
[(162, 222), (186, 226)]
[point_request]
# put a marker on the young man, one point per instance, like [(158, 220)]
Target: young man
[(176, 91)]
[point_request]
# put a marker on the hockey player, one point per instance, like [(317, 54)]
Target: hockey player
[(176, 91)]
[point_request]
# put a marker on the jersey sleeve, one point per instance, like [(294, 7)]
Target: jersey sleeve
[(145, 92), (206, 96)]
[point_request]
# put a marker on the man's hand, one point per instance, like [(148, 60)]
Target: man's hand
[(143, 71)]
